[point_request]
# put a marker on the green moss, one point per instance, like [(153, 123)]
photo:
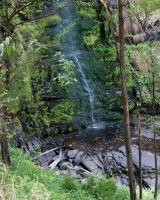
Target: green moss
[(63, 112), (88, 12), (90, 40)]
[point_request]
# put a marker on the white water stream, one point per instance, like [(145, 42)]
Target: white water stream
[(87, 88), (73, 49)]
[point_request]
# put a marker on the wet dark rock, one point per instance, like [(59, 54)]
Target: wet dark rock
[(78, 158), (88, 163), (64, 128), (50, 156), (72, 153), (52, 97), (44, 164), (57, 142), (65, 165), (81, 164), (36, 142), (120, 159), (148, 182), (98, 162), (147, 158), (46, 147), (30, 148), (46, 159), (109, 163), (17, 140), (32, 145), (25, 147)]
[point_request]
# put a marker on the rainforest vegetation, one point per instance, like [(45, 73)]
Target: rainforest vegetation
[(79, 99)]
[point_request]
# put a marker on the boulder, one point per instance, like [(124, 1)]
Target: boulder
[(120, 159), (72, 153), (74, 174), (98, 162), (65, 165), (89, 164), (44, 164), (147, 158), (36, 142), (46, 159), (30, 148), (50, 156), (78, 158)]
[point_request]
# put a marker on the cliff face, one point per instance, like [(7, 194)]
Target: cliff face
[(139, 27)]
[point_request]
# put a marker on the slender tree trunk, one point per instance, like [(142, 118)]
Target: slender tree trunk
[(125, 102), (154, 132), (5, 32), (102, 22), (3, 134), (3, 140), (140, 154), (5, 150)]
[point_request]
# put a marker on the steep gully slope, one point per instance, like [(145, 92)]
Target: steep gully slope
[(99, 149), (85, 91)]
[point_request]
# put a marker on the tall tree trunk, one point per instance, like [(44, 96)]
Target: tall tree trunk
[(154, 132), (102, 22), (3, 140), (3, 134), (5, 150), (140, 154), (125, 102), (5, 32)]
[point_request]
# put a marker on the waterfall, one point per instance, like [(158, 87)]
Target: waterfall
[(72, 48), (71, 45), (87, 88)]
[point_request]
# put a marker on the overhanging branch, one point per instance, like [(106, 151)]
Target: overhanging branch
[(106, 6), (16, 11), (45, 16)]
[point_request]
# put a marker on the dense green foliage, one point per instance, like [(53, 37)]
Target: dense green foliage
[(42, 69), (36, 72), (97, 38), (40, 88)]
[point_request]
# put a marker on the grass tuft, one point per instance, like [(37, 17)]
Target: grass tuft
[(26, 181)]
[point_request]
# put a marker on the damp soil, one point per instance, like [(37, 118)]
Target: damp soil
[(102, 140)]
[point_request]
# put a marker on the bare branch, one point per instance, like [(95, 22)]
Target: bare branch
[(42, 17), (16, 11), (55, 163), (106, 6), (46, 152)]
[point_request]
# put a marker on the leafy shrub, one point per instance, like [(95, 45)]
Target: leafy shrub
[(70, 184)]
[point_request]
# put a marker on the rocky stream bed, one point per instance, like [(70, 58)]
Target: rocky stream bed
[(95, 151)]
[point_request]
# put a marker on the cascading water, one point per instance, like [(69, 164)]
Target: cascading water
[(87, 87), (73, 49)]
